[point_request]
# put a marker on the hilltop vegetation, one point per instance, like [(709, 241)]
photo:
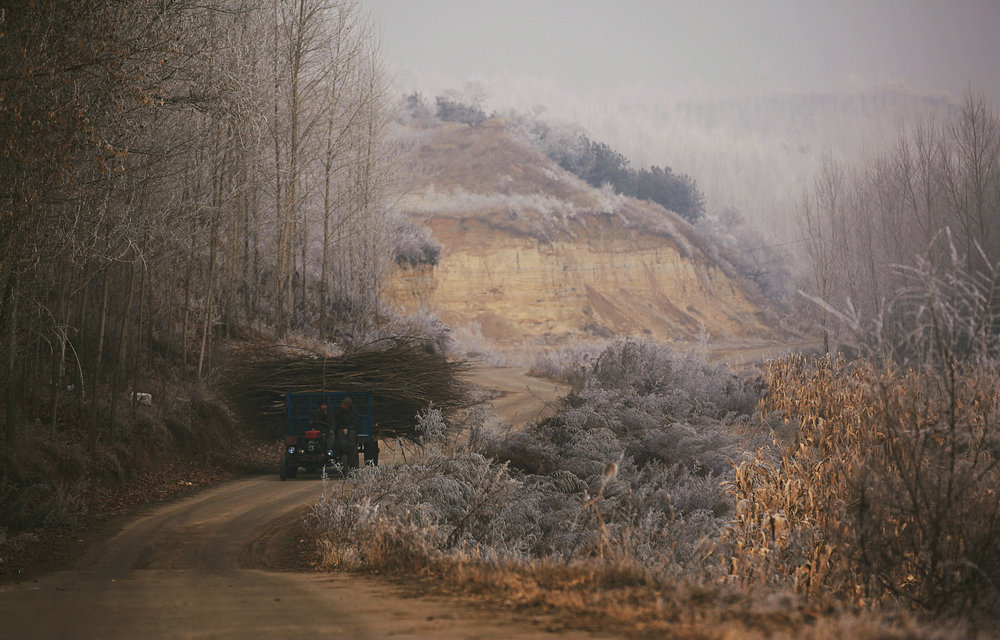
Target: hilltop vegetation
[(594, 162)]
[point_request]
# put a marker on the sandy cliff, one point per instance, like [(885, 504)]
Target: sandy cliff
[(530, 252)]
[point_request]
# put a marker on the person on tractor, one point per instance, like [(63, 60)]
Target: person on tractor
[(320, 419), (345, 423)]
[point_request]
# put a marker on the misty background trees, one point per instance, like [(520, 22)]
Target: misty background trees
[(904, 247), (174, 172)]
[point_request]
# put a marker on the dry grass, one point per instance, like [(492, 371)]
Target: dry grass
[(620, 595)]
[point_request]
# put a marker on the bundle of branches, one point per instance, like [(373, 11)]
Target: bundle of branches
[(403, 374)]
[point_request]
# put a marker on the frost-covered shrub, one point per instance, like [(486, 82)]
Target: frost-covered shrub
[(423, 326), (629, 469), (646, 402), (391, 516), (431, 427), (569, 363), (413, 244), (667, 420), (470, 341)]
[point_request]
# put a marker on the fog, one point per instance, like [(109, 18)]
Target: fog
[(722, 48), (744, 97)]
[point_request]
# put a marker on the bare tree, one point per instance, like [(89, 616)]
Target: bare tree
[(189, 153), (866, 230), (972, 178)]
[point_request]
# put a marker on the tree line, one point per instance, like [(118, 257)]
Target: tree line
[(904, 248), (598, 164), (174, 172)]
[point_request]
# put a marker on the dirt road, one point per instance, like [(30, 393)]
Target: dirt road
[(520, 398), (221, 564), (216, 565)]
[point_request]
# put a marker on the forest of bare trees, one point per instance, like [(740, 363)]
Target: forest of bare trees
[(914, 227), (173, 172)]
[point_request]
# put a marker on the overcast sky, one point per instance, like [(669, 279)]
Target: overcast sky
[(625, 47)]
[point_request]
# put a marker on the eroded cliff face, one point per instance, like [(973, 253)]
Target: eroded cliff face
[(604, 282), (531, 253)]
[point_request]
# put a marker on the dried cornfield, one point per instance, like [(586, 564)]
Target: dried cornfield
[(887, 489)]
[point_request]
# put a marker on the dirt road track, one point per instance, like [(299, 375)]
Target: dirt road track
[(521, 398), (215, 565)]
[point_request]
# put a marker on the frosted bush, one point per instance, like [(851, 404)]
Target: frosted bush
[(630, 469), (667, 420), (416, 512), (431, 427), (412, 243), (568, 363)]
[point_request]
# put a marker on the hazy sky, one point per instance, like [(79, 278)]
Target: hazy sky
[(695, 47)]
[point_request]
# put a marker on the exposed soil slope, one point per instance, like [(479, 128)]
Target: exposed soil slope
[(530, 252)]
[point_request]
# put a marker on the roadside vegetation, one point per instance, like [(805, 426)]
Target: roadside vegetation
[(816, 498)]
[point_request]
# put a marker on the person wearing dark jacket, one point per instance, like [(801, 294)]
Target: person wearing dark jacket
[(346, 422), (320, 418)]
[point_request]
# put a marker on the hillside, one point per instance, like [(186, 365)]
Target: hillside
[(532, 253)]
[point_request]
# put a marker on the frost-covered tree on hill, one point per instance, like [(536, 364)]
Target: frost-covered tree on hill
[(597, 164), (676, 192), (453, 110)]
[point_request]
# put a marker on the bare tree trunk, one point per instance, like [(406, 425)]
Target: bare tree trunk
[(280, 322), (188, 275), (78, 381), (58, 352), (120, 360), (10, 378), (291, 208), (209, 296), (134, 365), (98, 360), (325, 262)]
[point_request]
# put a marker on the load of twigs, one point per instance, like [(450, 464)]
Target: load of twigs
[(404, 375)]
